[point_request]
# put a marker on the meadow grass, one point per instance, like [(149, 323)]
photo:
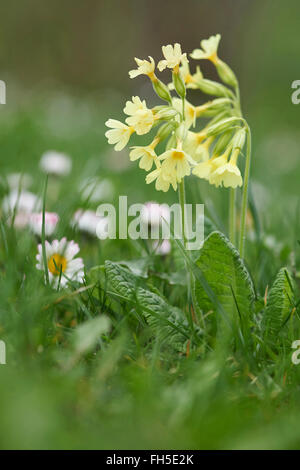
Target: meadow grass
[(147, 376)]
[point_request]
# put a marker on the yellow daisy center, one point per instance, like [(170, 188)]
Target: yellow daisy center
[(57, 263)]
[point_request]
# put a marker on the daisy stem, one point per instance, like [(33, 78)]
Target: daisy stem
[(232, 215), (43, 234), (245, 194)]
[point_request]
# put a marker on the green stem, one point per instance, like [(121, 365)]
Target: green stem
[(181, 192), (43, 234), (232, 215), (183, 109), (238, 101), (245, 195)]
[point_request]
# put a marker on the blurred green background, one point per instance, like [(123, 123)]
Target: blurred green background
[(65, 64), (68, 61)]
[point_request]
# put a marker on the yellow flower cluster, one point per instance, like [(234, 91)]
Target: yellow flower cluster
[(209, 151)]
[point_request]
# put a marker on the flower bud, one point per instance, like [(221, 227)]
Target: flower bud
[(166, 130), (181, 132), (221, 126), (179, 84), (212, 88), (222, 143), (161, 90), (226, 74), (171, 142), (164, 112), (239, 138), (213, 107)]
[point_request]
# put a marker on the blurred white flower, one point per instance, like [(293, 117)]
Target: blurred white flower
[(60, 261), (56, 163), (155, 214), (89, 222), (19, 180), (36, 221), (95, 190), (162, 247), (21, 220), (21, 201)]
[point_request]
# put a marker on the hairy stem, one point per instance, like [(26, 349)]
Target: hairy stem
[(181, 193), (232, 215), (245, 195)]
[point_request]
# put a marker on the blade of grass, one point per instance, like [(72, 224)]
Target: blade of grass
[(43, 233)]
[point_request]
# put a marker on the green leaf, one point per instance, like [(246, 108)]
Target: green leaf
[(86, 335), (167, 322), (122, 280), (279, 303), (139, 267), (228, 279)]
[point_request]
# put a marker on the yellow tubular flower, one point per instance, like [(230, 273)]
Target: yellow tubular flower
[(228, 174), (206, 169), (196, 146), (119, 134), (190, 111), (173, 57), (146, 155), (209, 49), (145, 67), (176, 164), (189, 79), (161, 184), (141, 118)]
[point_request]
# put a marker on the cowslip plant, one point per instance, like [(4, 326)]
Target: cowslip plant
[(208, 151)]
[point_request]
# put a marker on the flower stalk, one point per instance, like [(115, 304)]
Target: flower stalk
[(245, 195)]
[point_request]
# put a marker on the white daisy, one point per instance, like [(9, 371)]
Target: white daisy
[(155, 214), (21, 220), (36, 222), (19, 180), (21, 201), (89, 222), (162, 247), (56, 163), (61, 263)]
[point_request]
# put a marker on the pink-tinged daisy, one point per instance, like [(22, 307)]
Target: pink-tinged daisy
[(155, 214), (61, 262), (36, 222), (162, 247)]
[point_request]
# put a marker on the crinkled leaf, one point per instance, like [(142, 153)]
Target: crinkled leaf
[(167, 322), (279, 304), (121, 279), (227, 277)]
